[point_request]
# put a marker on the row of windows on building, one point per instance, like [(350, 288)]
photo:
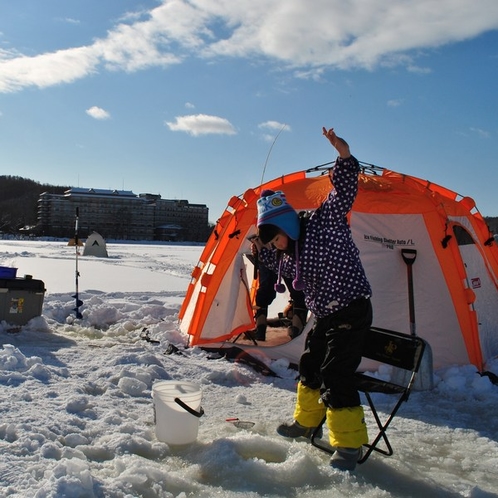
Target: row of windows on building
[(123, 215)]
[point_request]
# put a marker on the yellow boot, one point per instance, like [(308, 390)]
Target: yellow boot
[(347, 434), (309, 410), (347, 427), (308, 414)]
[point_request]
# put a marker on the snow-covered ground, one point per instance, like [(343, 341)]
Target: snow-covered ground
[(77, 417)]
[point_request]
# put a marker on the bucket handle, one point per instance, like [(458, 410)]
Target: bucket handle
[(189, 409)]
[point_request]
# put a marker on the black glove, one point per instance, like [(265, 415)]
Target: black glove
[(326, 397)]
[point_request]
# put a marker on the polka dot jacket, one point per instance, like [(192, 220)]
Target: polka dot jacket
[(329, 261)]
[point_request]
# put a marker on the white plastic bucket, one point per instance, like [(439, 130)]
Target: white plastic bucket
[(177, 409)]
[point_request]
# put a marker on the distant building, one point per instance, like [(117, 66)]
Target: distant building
[(121, 214)]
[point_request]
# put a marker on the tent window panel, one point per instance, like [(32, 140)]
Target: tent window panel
[(462, 236)]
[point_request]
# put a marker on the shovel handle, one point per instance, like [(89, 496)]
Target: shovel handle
[(189, 409), (409, 256)]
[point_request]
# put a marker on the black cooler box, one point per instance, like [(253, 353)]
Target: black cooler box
[(21, 299)]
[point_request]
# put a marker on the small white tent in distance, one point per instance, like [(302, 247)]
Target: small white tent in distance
[(95, 246)]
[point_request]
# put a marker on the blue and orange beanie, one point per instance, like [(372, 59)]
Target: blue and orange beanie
[(274, 214)]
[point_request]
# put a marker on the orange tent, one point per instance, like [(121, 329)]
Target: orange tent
[(455, 273)]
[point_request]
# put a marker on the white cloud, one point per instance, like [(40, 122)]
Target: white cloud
[(412, 68), (45, 70), (98, 113), (314, 74), (333, 34), (274, 125), (482, 133), (202, 124), (69, 20), (394, 102)]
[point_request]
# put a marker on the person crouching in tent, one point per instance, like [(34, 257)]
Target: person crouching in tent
[(295, 311), (324, 262)]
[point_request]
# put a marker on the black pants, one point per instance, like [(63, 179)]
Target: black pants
[(333, 353)]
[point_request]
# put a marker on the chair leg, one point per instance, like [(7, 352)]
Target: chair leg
[(321, 446), (371, 447), (382, 430)]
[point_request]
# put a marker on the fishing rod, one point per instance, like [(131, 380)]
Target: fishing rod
[(269, 152)]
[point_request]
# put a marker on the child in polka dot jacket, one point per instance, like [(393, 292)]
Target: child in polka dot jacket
[(323, 261)]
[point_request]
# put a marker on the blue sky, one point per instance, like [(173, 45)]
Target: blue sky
[(185, 98)]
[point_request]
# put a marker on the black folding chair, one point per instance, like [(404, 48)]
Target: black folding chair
[(392, 348)]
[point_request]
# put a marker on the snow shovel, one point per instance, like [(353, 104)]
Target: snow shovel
[(424, 381)]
